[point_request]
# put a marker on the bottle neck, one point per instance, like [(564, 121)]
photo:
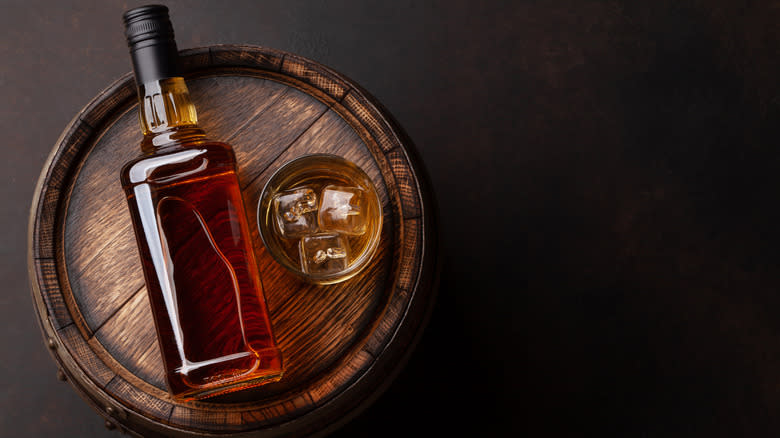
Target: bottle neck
[(166, 113)]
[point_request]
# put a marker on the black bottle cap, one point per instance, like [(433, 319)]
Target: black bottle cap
[(152, 45)]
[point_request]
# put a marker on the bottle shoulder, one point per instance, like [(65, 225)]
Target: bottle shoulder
[(163, 164)]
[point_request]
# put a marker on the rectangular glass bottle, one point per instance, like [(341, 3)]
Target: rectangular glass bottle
[(201, 275)]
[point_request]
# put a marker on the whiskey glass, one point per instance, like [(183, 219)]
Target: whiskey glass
[(320, 217)]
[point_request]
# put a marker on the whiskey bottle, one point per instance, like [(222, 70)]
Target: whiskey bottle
[(196, 251)]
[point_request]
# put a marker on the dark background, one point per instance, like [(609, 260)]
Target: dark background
[(606, 179)]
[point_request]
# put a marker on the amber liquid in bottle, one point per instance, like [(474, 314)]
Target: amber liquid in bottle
[(200, 269)]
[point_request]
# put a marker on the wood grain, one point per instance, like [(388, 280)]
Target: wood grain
[(136, 350), (88, 360), (317, 75), (272, 107), (233, 55), (57, 311), (153, 407), (368, 114), (54, 177)]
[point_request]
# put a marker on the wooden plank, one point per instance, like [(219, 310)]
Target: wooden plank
[(60, 167), (410, 254), (218, 420), (130, 337), (382, 333), (405, 183), (151, 407), (298, 405), (46, 274), (88, 361), (265, 137), (246, 56), (95, 219), (372, 120), (325, 389), (221, 116), (316, 75), (193, 60), (113, 275)]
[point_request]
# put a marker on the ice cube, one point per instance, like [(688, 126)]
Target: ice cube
[(324, 253), (295, 212), (342, 209)]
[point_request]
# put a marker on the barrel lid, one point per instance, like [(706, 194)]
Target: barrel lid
[(342, 343)]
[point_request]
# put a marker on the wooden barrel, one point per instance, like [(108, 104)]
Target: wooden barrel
[(342, 343)]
